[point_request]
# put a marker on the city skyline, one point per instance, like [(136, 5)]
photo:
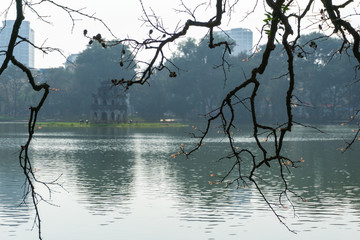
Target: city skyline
[(23, 52), (242, 38)]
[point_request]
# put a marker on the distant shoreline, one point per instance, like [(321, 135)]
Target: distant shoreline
[(116, 125)]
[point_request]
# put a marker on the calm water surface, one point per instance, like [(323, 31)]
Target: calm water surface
[(124, 184)]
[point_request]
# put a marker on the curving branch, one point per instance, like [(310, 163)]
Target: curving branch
[(24, 159), (158, 44)]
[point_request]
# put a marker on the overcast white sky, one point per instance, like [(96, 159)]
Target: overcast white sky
[(122, 17)]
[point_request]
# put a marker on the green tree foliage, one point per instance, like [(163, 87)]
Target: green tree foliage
[(14, 93), (326, 79), (59, 103), (199, 84), (323, 91), (149, 102)]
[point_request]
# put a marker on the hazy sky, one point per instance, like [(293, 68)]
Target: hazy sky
[(122, 17)]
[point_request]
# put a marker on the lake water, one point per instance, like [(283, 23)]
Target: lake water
[(124, 184)]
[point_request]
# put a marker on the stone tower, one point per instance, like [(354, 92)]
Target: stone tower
[(110, 104)]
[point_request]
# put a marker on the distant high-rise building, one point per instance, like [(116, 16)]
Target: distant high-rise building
[(23, 52), (241, 37)]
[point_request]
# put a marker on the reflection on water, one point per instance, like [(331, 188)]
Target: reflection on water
[(12, 213), (123, 184)]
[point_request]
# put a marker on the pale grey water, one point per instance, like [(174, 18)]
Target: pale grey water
[(123, 184)]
